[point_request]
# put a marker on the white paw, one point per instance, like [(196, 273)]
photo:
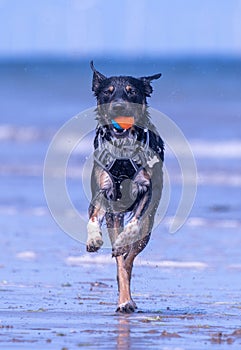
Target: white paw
[(94, 240)]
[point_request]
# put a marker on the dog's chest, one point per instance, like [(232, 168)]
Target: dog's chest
[(121, 169), (123, 156), (126, 158)]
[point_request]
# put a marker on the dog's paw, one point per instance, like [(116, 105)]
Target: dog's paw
[(94, 241), (127, 237), (93, 245), (117, 251), (127, 307)]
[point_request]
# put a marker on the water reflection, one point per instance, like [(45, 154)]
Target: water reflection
[(123, 333)]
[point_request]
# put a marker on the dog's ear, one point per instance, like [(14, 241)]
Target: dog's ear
[(147, 83), (97, 77)]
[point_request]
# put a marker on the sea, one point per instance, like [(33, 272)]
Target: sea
[(201, 96)]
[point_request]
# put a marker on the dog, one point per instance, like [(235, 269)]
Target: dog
[(127, 176)]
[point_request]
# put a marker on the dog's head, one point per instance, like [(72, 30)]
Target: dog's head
[(121, 100)]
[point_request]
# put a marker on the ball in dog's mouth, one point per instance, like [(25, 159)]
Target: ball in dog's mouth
[(122, 122)]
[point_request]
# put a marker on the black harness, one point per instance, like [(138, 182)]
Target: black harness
[(122, 157)]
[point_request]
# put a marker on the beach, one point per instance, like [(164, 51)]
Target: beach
[(53, 295)]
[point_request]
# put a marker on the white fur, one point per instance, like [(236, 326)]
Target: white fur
[(129, 235), (94, 232), (130, 302)]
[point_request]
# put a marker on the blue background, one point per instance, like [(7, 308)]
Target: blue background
[(79, 28)]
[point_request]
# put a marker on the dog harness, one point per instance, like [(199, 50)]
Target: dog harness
[(122, 157)]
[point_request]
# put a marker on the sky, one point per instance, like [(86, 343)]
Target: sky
[(78, 28)]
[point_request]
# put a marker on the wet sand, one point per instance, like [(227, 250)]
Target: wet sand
[(58, 297)]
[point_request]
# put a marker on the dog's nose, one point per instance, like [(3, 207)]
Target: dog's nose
[(118, 107)]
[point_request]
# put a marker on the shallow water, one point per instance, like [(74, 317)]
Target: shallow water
[(187, 285), (59, 297)]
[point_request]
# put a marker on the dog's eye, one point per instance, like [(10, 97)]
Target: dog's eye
[(130, 90), (109, 90)]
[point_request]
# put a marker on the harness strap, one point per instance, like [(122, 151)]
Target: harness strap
[(110, 149)]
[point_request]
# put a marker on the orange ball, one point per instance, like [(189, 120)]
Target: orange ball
[(124, 122)]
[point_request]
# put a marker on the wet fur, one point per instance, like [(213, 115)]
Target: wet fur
[(117, 96)]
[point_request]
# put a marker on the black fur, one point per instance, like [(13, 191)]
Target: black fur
[(125, 179)]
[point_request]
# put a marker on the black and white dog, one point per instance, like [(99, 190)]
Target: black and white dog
[(127, 174)]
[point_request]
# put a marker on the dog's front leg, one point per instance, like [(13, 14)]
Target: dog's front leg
[(102, 190), (115, 222), (125, 302), (132, 231), (94, 240)]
